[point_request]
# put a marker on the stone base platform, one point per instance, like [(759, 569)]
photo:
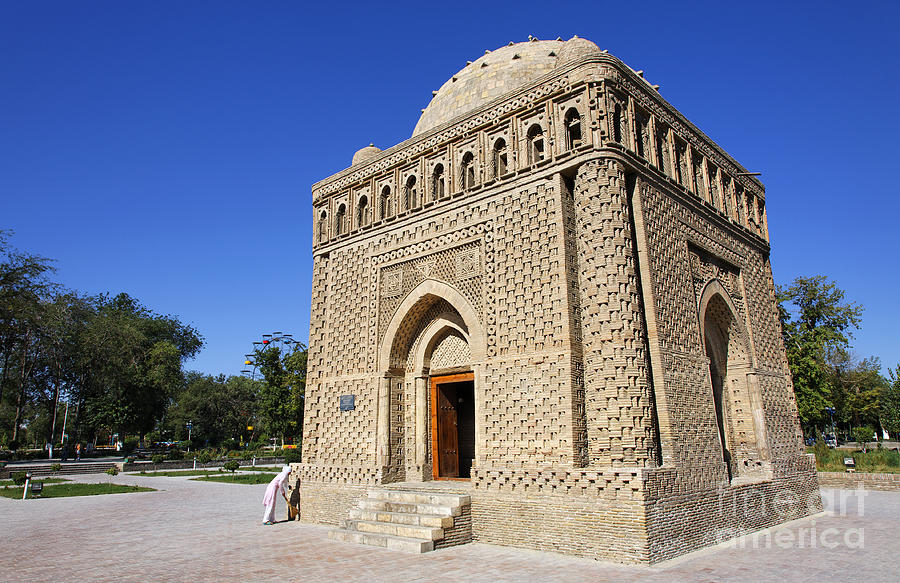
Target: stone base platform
[(410, 517)]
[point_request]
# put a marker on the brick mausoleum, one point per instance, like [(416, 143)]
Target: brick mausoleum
[(548, 320)]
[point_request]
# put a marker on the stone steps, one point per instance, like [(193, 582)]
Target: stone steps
[(395, 529), (369, 504), (411, 497), (404, 520), (394, 543), (433, 520)]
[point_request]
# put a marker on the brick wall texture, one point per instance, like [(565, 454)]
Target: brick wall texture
[(602, 268)]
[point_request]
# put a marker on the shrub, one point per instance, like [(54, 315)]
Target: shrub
[(175, 455), (863, 436), (55, 467), (14, 445), (113, 471), (130, 445), (158, 458), (204, 457), (19, 478), (231, 466), (292, 456)]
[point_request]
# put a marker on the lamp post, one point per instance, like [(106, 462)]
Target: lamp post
[(190, 425), (830, 411)]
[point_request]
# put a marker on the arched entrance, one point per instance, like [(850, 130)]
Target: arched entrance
[(735, 394), (431, 349), (716, 345)]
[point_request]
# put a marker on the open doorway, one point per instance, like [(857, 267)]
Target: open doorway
[(453, 426)]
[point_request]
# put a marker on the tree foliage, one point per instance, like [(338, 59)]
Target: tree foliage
[(115, 360), (889, 404), (816, 323), (218, 408), (135, 359), (283, 391)]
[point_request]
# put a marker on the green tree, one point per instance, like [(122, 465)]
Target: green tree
[(67, 316), (24, 286), (889, 404), (219, 408), (856, 387), (283, 391), (132, 365), (862, 435), (114, 359), (816, 322)]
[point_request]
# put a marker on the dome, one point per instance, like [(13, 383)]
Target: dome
[(577, 48), (496, 73), (365, 154)]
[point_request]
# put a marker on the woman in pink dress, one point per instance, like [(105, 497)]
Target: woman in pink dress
[(276, 485)]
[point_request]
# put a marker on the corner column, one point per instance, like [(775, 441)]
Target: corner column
[(617, 398)]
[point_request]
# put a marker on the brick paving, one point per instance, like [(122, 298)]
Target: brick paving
[(205, 531)]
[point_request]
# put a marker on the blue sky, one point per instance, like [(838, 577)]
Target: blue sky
[(167, 149)]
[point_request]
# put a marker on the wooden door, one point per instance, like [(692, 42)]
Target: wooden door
[(444, 425), (448, 434)]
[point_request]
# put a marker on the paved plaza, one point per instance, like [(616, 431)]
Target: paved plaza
[(206, 531)]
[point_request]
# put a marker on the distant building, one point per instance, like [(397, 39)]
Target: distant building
[(548, 320)]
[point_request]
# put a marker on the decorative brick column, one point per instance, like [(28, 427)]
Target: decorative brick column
[(617, 399)]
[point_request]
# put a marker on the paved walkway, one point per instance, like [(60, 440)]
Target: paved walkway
[(206, 531)]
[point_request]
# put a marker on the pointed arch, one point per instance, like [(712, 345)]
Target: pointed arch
[(447, 322), (737, 403), (428, 291)]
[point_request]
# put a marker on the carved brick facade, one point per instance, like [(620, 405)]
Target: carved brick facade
[(602, 268)]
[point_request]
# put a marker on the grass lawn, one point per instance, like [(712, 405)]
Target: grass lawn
[(251, 478), (260, 469), (38, 479), (880, 461), (74, 489)]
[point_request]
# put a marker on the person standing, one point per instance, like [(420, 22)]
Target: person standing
[(78, 451), (277, 485)]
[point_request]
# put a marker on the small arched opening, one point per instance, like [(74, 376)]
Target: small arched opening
[(467, 171), (322, 227), (573, 128), (384, 203), (437, 182), (535, 139), (340, 220), (410, 193), (499, 158), (362, 211)]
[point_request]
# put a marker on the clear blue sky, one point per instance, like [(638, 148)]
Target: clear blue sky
[(167, 149)]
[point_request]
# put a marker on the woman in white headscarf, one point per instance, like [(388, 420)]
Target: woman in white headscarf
[(276, 485)]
